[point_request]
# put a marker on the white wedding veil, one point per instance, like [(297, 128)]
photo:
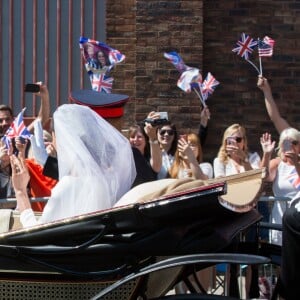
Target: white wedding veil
[(95, 161)]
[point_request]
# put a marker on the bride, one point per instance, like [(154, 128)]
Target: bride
[(95, 162)]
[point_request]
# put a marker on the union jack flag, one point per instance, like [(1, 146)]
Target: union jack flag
[(17, 128), (115, 56), (294, 179), (208, 86), (174, 58), (265, 47), (245, 46), (102, 83)]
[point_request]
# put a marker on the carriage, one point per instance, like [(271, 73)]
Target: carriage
[(137, 250)]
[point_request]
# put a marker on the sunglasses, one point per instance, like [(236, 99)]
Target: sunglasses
[(168, 131)]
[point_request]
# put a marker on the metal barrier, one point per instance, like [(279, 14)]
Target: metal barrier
[(11, 203)]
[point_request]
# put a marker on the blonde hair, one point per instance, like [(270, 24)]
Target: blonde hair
[(192, 138), (222, 154), (287, 134)]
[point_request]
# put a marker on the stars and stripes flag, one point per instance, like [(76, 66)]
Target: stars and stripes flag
[(16, 129), (102, 83), (294, 179), (265, 46), (208, 86), (245, 46)]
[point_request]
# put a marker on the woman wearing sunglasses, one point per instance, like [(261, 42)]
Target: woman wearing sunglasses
[(291, 220), (233, 156), (167, 138), (284, 172)]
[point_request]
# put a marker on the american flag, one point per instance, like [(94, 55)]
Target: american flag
[(16, 129), (102, 83), (245, 46), (174, 58), (265, 47), (208, 86), (294, 179)]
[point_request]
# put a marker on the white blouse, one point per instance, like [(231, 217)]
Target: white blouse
[(221, 169)]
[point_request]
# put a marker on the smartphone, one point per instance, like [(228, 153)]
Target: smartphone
[(286, 146), (32, 88), (183, 136), (13, 143), (230, 140)]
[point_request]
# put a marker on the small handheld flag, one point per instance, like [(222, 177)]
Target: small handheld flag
[(16, 129), (245, 46), (174, 58), (208, 86), (265, 47), (191, 78), (186, 78)]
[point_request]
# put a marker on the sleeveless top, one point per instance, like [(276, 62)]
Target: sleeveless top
[(284, 185)]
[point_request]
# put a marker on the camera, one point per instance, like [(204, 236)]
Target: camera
[(32, 88), (156, 122)]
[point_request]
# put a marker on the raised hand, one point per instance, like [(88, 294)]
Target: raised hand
[(266, 143)]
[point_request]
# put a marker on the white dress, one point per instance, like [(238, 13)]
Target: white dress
[(96, 166), (221, 169), (282, 187)]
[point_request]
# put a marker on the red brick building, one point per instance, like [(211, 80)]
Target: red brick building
[(204, 33)]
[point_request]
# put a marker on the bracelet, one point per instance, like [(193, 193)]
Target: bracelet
[(153, 142)]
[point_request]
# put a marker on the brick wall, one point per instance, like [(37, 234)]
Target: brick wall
[(204, 33)]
